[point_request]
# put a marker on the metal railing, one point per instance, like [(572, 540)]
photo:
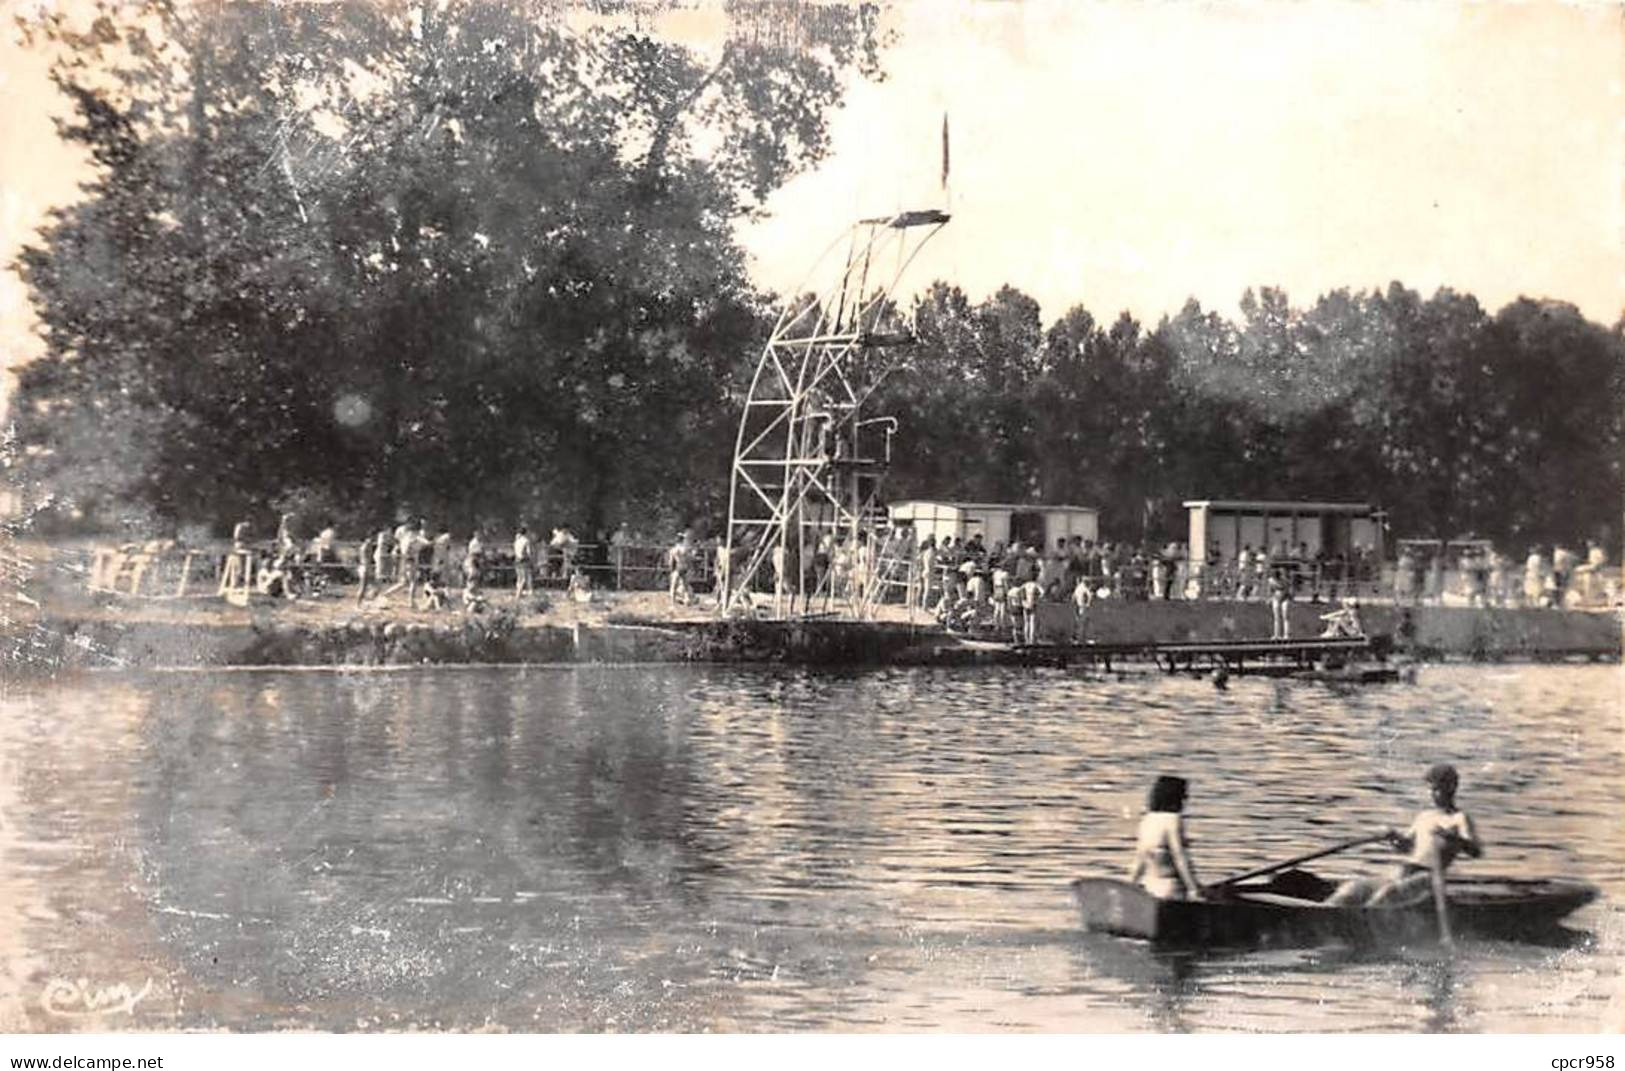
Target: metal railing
[(165, 570)]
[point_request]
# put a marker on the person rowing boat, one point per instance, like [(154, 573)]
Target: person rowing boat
[(1163, 902), (1162, 862), (1434, 840)]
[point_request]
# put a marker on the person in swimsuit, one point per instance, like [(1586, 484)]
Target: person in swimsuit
[(1083, 597), (678, 558), (363, 569), (1162, 861), (524, 582), (473, 562), (1031, 595), (1438, 835), (1280, 596)]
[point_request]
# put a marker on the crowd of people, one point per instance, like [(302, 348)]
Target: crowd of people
[(971, 586), (1559, 579), (403, 558), (1000, 588), (965, 583)]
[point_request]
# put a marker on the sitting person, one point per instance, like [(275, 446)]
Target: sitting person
[(1344, 623), (580, 590), (1438, 835), (434, 595), (278, 577), (960, 615), (1162, 862)]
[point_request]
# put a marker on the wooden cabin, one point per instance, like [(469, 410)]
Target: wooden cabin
[(996, 522)]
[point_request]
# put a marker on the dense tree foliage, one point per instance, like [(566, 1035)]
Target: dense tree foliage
[(463, 258), (1507, 427), (477, 260)]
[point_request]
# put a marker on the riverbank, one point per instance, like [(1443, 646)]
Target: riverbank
[(642, 627)]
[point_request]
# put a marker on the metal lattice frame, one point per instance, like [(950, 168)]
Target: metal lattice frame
[(807, 463)]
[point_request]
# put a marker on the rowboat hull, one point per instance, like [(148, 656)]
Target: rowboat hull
[(1510, 908)]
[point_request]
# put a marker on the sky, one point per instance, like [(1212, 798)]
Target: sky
[(1128, 156)]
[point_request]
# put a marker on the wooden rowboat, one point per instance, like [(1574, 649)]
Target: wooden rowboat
[(1287, 911)]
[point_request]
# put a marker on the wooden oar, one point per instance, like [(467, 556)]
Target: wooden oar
[(1273, 867), (1440, 907)]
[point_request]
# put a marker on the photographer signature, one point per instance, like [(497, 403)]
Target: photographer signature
[(78, 1000)]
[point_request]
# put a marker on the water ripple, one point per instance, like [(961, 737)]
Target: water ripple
[(685, 848)]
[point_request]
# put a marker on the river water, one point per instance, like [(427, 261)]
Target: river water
[(671, 848)]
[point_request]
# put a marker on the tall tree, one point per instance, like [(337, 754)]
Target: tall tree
[(459, 257)]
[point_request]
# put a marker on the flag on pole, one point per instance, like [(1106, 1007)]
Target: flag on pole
[(945, 150)]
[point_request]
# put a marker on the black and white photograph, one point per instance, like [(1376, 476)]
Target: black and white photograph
[(796, 517)]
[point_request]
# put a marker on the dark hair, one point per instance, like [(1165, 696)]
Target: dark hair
[(1167, 794), (1442, 773)]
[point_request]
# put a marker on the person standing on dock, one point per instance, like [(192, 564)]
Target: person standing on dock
[(420, 552), (1591, 575), (1280, 594), (473, 559), (927, 566), (1534, 577), (948, 573), (524, 582), (722, 571), (440, 558), (401, 545), (1031, 595), (1405, 586), (1562, 572), (382, 551), (840, 565), (863, 568), (1001, 593), (1498, 579), (1057, 587), (363, 567), (1075, 567), (1083, 597), (781, 555), (678, 560), (823, 569)]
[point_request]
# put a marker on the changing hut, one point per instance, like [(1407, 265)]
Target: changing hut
[(997, 522), (1335, 527)]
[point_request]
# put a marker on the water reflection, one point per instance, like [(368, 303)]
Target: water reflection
[(681, 848)]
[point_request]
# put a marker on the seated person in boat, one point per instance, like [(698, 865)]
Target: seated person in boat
[(1439, 834), (1162, 862)]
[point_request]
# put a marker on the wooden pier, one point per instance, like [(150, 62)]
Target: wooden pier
[(1258, 657)]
